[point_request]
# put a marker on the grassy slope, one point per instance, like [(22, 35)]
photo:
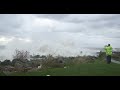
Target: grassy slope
[(99, 68)]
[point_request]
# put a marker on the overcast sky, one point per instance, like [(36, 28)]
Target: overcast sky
[(63, 34)]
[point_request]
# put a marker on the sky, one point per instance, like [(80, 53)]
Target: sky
[(57, 34)]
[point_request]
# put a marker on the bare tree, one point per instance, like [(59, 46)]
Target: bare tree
[(20, 60), (21, 54)]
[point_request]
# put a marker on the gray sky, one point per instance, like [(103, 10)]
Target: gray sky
[(63, 34)]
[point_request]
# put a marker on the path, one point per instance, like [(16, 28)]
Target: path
[(114, 61)]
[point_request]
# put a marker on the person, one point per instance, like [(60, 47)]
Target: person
[(108, 50)]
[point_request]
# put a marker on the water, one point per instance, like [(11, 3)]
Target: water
[(65, 52)]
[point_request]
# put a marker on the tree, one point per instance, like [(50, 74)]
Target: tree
[(20, 59), (37, 56), (21, 55), (6, 62)]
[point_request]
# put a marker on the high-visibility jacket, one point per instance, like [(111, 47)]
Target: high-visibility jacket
[(108, 50)]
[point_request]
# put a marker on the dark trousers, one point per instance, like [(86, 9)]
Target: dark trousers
[(108, 59)]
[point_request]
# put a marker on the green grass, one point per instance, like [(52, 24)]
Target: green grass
[(2, 74), (98, 68)]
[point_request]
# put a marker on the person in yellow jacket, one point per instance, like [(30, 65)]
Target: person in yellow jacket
[(108, 50)]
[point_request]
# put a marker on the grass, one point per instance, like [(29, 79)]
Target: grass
[(98, 68), (2, 74)]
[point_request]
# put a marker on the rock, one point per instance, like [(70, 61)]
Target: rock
[(47, 75), (40, 66), (65, 67)]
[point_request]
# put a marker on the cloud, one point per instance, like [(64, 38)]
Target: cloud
[(9, 24), (25, 40), (2, 47), (80, 18), (53, 16), (5, 40)]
